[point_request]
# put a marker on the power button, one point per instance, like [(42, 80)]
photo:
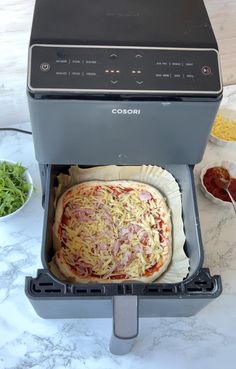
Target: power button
[(45, 67), (206, 70)]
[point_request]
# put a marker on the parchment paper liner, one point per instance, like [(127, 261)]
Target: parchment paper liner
[(153, 175)]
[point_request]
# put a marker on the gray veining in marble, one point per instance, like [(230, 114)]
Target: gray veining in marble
[(207, 340)]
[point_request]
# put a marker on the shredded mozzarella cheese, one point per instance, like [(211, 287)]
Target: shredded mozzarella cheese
[(114, 230)]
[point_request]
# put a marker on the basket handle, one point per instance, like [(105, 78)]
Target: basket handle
[(125, 324)]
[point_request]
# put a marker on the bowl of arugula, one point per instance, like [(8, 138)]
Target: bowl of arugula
[(16, 188)]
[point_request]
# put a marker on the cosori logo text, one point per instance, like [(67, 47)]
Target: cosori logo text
[(126, 111)]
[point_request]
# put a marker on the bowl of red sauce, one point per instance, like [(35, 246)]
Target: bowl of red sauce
[(209, 182)]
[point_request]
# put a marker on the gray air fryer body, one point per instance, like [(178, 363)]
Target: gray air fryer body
[(126, 83)]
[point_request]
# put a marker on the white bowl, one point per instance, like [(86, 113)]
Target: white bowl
[(228, 114), (231, 167), (29, 180)]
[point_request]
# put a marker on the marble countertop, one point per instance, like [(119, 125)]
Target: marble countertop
[(207, 340)]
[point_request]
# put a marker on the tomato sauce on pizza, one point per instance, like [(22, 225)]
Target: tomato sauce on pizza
[(113, 231)]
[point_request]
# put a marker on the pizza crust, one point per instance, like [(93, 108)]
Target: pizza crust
[(65, 272), (59, 265)]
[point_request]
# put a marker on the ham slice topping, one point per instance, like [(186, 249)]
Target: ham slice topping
[(145, 196)]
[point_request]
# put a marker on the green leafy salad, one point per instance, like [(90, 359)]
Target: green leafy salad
[(14, 187)]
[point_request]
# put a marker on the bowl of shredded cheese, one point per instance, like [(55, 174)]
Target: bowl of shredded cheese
[(223, 131)]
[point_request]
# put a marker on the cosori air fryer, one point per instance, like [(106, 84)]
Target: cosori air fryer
[(126, 82)]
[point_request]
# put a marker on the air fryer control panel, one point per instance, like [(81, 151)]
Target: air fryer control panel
[(123, 69)]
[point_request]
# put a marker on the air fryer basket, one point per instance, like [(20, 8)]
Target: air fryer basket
[(52, 298)]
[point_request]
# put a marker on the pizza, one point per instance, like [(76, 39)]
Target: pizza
[(112, 231)]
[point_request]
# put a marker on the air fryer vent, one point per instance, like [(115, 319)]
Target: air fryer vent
[(44, 285), (81, 291), (202, 283), (126, 289), (89, 291), (162, 290), (50, 288)]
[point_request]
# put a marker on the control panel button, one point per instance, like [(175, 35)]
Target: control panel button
[(91, 74), (61, 73), (167, 70), (62, 61), (91, 62), (113, 56), (166, 75), (177, 64), (61, 54), (45, 67), (206, 70)]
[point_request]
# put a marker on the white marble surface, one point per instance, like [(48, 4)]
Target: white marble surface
[(207, 340)]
